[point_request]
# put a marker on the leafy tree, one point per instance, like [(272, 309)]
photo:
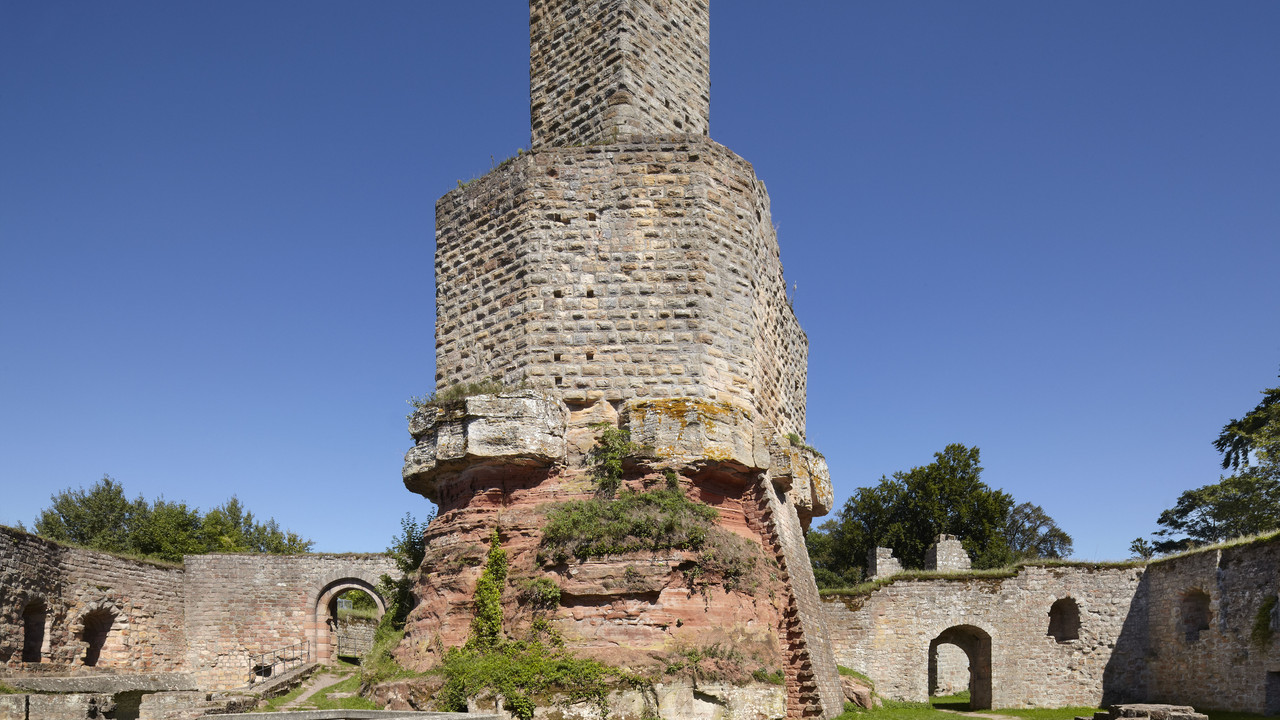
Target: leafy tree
[(100, 517), (1258, 431), (908, 511), (407, 551), (1032, 534), (104, 519), (830, 568), (1242, 504), (1245, 503), (1141, 549)]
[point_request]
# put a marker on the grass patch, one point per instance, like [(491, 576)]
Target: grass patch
[(461, 391), (798, 442), (279, 701), (358, 613), (898, 710), (322, 701), (8, 690), (862, 678), (866, 588), (1066, 713), (954, 701), (1259, 539)]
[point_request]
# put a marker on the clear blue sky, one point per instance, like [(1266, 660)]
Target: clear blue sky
[(1050, 230)]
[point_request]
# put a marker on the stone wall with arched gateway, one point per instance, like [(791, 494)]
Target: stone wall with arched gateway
[(891, 633)]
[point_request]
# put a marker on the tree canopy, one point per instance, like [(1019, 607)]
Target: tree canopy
[(1245, 503), (908, 511), (104, 519)]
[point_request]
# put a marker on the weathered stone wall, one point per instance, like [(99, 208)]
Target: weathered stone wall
[(239, 606), (813, 680), (952, 670), (1229, 661), (79, 600), (354, 637), (881, 563), (888, 635), (946, 554), (620, 271), (605, 70)]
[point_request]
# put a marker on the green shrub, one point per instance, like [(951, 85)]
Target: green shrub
[(486, 626), (607, 455), (540, 593), (773, 678), (523, 672), (633, 522)]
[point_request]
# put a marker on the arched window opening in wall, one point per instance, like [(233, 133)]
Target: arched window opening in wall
[(1064, 620), (975, 644), (97, 625), (346, 614), (34, 619), (1194, 613)]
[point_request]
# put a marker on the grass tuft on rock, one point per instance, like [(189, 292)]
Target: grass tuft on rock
[(650, 521)]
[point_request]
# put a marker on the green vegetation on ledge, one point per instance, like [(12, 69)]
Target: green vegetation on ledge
[(523, 672)]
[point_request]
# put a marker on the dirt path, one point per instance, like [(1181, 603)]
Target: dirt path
[(317, 682)]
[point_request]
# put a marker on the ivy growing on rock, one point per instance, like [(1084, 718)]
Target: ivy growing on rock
[(486, 627), (521, 672)]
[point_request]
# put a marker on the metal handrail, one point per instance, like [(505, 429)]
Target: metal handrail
[(269, 664)]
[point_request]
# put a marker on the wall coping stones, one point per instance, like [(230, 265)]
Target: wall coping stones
[(152, 682)]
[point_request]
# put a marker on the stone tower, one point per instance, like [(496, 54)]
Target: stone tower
[(625, 272)]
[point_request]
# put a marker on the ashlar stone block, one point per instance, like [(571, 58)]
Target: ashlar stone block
[(521, 428)]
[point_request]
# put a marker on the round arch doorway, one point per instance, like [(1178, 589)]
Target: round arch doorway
[(976, 645), (324, 615)]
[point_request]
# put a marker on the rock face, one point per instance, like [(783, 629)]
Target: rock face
[(626, 271), (638, 610)]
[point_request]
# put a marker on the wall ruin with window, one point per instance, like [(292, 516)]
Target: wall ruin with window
[(80, 611)]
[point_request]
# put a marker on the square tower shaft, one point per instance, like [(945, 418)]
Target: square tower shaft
[(601, 71)]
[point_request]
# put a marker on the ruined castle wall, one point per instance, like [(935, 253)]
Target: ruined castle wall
[(620, 271), (812, 679), (134, 606), (608, 70), (1217, 659), (887, 634), (238, 606)]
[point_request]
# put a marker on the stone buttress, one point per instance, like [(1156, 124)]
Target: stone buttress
[(623, 273)]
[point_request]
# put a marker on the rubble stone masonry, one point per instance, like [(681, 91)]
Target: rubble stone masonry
[(237, 606), (889, 634), (620, 271), (70, 610), (1213, 628), (605, 70)]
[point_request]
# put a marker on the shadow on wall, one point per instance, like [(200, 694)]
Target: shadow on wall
[(976, 644), (1125, 679)]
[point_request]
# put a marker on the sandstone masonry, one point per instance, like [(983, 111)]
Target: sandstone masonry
[(101, 618), (626, 273)]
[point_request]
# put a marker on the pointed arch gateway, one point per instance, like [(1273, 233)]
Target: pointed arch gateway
[(976, 644)]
